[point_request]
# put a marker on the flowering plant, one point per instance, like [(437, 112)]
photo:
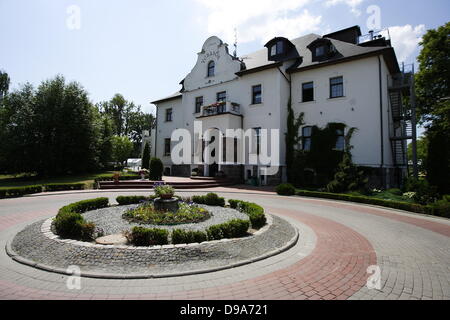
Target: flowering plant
[(116, 177), (143, 171), (164, 191)]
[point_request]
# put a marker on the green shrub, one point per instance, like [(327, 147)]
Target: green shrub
[(182, 236), (63, 187), (211, 199), (215, 232), (86, 205), (126, 200), (440, 208), (446, 197), (146, 157), (285, 189), (232, 229), (234, 203), (254, 212), (156, 169), (144, 237), (236, 228), (413, 207), (69, 224), (19, 191)]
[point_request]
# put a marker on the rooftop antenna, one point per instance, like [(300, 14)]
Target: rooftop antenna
[(235, 43)]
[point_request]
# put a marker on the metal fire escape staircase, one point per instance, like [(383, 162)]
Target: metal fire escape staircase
[(403, 122)]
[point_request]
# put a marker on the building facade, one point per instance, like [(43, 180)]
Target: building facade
[(333, 78)]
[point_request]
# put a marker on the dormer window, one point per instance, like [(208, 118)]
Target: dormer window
[(322, 49), (277, 48), (211, 68), (281, 49)]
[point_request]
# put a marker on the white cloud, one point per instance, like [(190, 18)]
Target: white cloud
[(259, 19), (353, 4), (405, 40)]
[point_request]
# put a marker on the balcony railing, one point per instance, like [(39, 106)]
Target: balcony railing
[(374, 35), (221, 107)]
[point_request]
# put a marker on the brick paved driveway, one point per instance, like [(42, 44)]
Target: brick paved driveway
[(339, 241)]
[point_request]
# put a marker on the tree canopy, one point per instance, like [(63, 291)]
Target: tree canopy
[(49, 130), (433, 97), (433, 77), (127, 120), (54, 129)]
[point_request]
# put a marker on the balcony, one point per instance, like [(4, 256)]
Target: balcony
[(218, 108)]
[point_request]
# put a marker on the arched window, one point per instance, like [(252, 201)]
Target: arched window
[(211, 67)]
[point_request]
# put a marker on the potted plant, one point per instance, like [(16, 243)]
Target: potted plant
[(116, 177), (164, 191), (143, 173)]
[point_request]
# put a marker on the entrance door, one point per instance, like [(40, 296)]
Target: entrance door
[(213, 168)]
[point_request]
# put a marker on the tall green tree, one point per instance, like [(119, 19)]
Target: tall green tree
[(122, 149), (127, 119), (50, 130), (433, 77), (146, 157), (433, 97), (105, 142), (4, 84)]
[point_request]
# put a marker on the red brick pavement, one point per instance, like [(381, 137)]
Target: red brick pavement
[(336, 269), (437, 227)]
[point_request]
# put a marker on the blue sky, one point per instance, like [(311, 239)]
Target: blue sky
[(143, 48)]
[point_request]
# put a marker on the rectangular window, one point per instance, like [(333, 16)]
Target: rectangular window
[(167, 149), (340, 140), (198, 104), (258, 140), (308, 91), (336, 87), (168, 115), (257, 94), (320, 51), (273, 50), (280, 47), (306, 138), (221, 96)]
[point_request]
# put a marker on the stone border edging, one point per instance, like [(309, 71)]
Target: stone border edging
[(54, 237)]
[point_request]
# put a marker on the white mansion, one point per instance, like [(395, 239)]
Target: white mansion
[(335, 78)]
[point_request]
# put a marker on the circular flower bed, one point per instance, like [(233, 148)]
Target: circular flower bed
[(146, 214)]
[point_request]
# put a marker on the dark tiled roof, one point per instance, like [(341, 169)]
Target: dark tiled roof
[(345, 50), (258, 60), (176, 95)]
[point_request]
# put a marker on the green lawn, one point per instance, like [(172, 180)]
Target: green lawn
[(26, 180)]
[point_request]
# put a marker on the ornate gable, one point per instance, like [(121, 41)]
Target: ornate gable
[(214, 66)]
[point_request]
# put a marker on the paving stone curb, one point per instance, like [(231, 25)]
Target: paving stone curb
[(45, 229)]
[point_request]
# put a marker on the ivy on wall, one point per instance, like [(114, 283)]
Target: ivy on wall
[(318, 166)]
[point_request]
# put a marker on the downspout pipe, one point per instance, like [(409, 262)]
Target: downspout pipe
[(289, 80), (383, 183), (156, 131)]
